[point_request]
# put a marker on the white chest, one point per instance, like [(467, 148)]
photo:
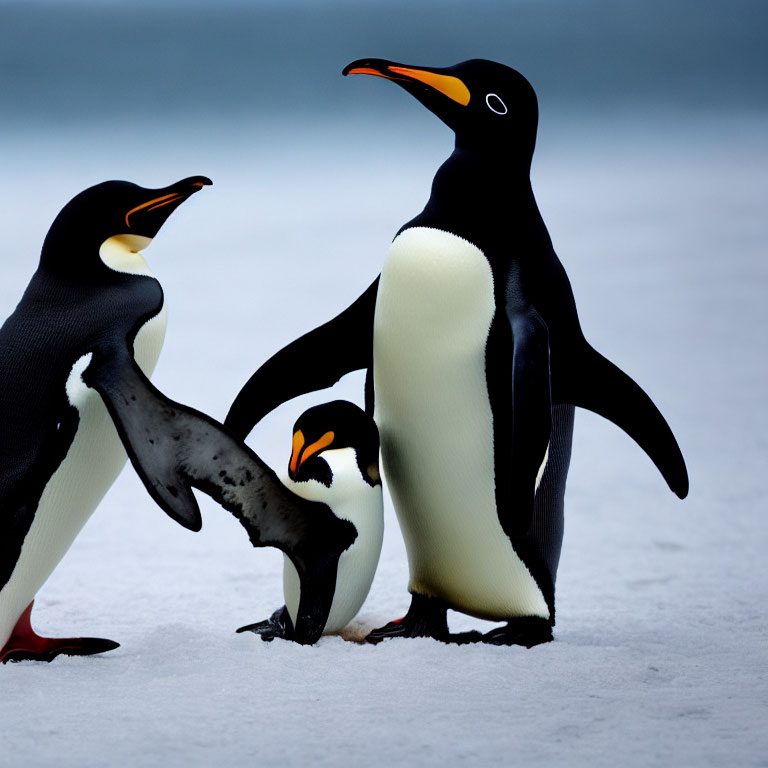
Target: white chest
[(350, 498), (434, 310)]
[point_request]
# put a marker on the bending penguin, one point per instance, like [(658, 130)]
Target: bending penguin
[(335, 460), (476, 360), (74, 397)]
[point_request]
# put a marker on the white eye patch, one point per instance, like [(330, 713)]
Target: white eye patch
[(495, 104)]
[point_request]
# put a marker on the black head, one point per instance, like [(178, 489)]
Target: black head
[(334, 425), (109, 209), (488, 105)]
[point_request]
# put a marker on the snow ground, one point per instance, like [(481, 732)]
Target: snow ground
[(660, 655)]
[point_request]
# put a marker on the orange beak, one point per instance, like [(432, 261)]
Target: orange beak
[(300, 453), (448, 85)]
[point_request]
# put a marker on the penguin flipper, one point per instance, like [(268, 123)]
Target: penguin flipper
[(316, 360), (174, 448), (595, 383), (531, 413)]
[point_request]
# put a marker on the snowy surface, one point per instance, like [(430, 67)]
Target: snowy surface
[(660, 655)]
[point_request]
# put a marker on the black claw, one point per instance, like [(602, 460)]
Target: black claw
[(265, 629), (427, 617), (255, 627), (393, 629), (90, 645), (527, 631), (278, 625), (465, 638)]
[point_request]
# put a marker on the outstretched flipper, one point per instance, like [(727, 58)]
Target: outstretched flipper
[(25, 644), (316, 360), (593, 382), (174, 448)]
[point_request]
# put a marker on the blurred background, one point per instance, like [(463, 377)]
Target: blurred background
[(650, 172), (652, 138)]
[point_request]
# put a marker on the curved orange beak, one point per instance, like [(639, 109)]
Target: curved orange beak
[(301, 452)]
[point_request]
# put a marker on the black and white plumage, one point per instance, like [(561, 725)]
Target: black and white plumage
[(60, 453), (75, 398), (335, 461), (476, 359)]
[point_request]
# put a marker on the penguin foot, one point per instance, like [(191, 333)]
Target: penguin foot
[(25, 644), (465, 638), (427, 617), (527, 631), (278, 625)]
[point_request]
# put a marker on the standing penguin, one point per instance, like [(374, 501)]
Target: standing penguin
[(74, 361), (477, 360), (59, 453), (335, 460)]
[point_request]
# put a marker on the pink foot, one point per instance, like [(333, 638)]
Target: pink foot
[(25, 644)]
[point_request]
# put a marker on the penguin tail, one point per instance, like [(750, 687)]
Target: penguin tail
[(595, 383)]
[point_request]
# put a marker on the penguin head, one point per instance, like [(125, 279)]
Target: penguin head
[(322, 433), (112, 209), (488, 105)]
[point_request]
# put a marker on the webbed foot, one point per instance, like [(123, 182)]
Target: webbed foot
[(25, 644), (527, 631), (425, 618), (278, 625)]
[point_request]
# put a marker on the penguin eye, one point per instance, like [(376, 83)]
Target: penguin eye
[(495, 104)]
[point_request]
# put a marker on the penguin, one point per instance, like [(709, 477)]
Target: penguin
[(59, 453), (75, 397), (335, 460), (476, 361)]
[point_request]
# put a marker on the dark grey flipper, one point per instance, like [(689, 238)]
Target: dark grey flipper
[(522, 431), (314, 361), (174, 448), (531, 412), (593, 382), (22, 484)]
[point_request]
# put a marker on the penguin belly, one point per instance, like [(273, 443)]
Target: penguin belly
[(434, 311), (92, 463)]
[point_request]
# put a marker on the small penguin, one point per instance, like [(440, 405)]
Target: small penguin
[(74, 398), (335, 460), (475, 360)]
